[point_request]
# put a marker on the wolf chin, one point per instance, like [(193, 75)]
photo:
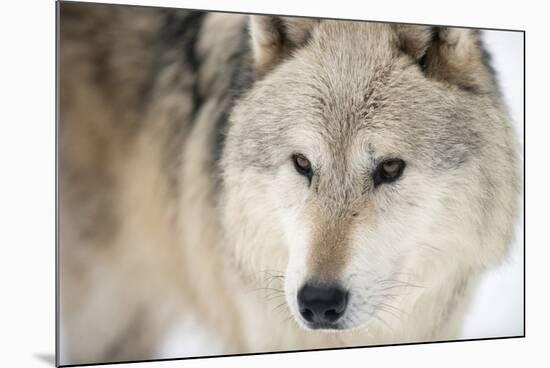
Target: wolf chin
[(276, 183)]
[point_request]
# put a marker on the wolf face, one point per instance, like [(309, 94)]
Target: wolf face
[(367, 163)]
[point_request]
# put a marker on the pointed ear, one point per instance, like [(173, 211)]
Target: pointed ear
[(274, 38), (453, 55)]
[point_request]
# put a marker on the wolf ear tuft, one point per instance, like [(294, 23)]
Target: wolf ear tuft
[(274, 38), (453, 55)]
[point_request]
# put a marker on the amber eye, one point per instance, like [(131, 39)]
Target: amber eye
[(302, 165), (388, 171)]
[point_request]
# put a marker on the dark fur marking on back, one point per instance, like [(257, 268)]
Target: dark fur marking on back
[(241, 81), (181, 31), (280, 28), (176, 46)]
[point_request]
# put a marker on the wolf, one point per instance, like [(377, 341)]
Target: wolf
[(276, 183)]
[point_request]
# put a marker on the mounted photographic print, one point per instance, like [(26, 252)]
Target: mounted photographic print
[(246, 183)]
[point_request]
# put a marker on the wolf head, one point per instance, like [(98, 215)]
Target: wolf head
[(367, 162)]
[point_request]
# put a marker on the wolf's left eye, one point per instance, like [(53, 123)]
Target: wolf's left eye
[(388, 171), (302, 165)]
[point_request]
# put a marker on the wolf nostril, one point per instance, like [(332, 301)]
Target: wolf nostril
[(332, 315), (307, 314), (322, 303)]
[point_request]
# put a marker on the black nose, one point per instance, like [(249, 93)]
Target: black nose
[(322, 304)]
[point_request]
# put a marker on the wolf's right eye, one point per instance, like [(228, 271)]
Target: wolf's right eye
[(388, 171), (302, 165)]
